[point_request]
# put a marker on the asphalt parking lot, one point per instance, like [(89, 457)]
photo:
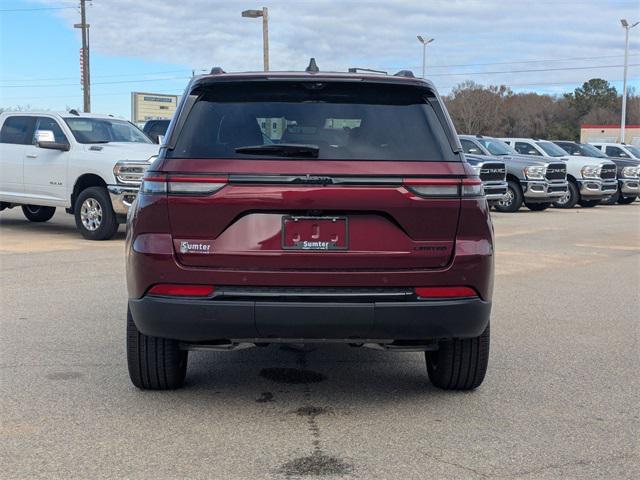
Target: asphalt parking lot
[(561, 397)]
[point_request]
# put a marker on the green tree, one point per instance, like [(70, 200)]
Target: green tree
[(594, 94)]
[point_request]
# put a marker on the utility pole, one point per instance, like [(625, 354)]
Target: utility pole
[(623, 119), (86, 74)]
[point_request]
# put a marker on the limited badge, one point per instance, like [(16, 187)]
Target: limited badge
[(194, 247)]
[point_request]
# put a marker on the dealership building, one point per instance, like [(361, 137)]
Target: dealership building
[(610, 133)]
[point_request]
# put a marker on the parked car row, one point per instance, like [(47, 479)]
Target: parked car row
[(541, 173)]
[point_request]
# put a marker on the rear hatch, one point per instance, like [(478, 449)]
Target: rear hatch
[(334, 176)]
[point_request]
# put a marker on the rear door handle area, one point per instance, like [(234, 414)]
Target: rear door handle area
[(32, 155)]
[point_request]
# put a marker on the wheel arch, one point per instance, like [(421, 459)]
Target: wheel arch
[(82, 183)]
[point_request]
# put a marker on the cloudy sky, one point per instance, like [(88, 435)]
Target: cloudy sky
[(153, 46)]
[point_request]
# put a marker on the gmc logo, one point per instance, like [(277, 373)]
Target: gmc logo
[(554, 170), (492, 170)]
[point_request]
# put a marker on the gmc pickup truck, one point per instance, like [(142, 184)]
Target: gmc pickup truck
[(90, 165)]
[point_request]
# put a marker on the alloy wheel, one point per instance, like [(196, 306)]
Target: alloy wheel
[(91, 214)]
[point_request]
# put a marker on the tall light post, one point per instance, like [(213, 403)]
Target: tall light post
[(623, 120), (424, 43), (264, 13)]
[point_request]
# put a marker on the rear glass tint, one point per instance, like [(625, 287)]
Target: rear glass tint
[(345, 121)]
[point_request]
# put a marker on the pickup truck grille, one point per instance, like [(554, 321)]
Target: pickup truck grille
[(556, 171), (492, 171), (608, 171)]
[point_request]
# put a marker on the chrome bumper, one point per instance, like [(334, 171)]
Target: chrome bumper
[(495, 190), (629, 186), (544, 190), (122, 197), (598, 188)]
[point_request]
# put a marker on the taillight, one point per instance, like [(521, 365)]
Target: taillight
[(183, 184), (445, 292), (179, 290), (444, 187)]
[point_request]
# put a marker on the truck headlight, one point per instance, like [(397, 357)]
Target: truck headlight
[(630, 172), (535, 172), (590, 171), (129, 172)]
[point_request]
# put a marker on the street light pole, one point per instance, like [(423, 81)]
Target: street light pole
[(264, 13), (424, 43), (623, 119)]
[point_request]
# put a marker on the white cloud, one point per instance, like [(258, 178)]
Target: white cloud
[(377, 34)]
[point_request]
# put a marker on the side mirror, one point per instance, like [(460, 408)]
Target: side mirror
[(46, 139), (160, 139)]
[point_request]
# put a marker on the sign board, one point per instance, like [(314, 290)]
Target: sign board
[(152, 106)]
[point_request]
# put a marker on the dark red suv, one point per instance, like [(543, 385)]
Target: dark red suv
[(305, 207)]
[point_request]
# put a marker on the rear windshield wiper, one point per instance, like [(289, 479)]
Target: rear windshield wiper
[(281, 150)]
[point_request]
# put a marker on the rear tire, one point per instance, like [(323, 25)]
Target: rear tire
[(626, 200), (514, 199), (570, 200), (154, 363), (589, 203), (94, 214), (459, 364), (36, 213), (537, 207)]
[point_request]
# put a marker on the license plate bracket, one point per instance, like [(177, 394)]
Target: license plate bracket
[(315, 233)]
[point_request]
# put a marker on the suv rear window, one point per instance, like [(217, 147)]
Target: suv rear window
[(344, 121)]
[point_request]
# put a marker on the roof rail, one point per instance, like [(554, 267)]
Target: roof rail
[(217, 71), (371, 70), (404, 73), (312, 67)]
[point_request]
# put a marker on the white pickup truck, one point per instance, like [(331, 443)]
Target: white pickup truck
[(91, 165)]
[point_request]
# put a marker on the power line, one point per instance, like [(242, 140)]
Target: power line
[(513, 62), (97, 83), (184, 70), (529, 70), (35, 9)]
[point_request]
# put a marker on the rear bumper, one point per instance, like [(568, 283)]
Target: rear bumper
[(212, 320)]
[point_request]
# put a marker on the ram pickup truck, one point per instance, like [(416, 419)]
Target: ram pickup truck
[(591, 179), (628, 170), (90, 165), (532, 181), (493, 174), (356, 220), (156, 129)]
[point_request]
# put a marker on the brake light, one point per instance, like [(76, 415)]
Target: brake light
[(444, 187), (183, 184), (179, 290), (445, 292)]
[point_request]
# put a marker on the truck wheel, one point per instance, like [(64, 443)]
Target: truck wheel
[(589, 203), (612, 199), (570, 199), (94, 214), (626, 200), (513, 200), (537, 207), (36, 213), (459, 364), (154, 363)]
